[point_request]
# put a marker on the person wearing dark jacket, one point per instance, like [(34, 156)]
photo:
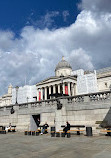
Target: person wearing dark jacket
[(67, 127), (44, 130)]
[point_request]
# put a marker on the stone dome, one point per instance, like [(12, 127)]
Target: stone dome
[(63, 64)]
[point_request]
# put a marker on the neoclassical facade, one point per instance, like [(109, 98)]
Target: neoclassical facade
[(6, 99), (65, 82), (104, 79), (61, 84)]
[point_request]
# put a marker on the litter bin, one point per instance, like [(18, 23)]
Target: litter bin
[(88, 131)]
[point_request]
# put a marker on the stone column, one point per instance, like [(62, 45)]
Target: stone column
[(58, 88), (63, 88), (73, 89), (50, 90), (69, 92), (37, 94), (41, 93), (54, 91), (45, 93)]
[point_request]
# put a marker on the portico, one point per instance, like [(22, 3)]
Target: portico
[(56, 85)]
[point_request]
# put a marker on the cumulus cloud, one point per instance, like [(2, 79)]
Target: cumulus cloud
[(34, 55), (80, 60), (96, 5)]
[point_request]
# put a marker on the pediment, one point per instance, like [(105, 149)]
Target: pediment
[(51, 79), (56, 79)]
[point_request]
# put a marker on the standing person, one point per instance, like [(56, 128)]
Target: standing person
[(38, 122), (44, 129), (67, 127)]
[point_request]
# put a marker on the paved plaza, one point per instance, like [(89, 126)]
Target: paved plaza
[(17, 145)]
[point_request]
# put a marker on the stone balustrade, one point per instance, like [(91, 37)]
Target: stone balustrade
[(100, 96), (79, 99)]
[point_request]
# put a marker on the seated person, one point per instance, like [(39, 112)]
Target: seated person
[(67, 127), (10, 125), (8, 128), (44, 129)]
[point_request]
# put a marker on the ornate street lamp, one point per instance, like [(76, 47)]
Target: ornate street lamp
[(12, 110), (16, 93), (59, 105), (62, 83)]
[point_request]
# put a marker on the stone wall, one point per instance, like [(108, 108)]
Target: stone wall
[(78, 110)]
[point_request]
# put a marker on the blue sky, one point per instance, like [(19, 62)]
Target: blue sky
[(35, 34), (15, 14)]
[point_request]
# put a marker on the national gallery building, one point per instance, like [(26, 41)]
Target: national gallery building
[(63, 83), (80, 97), (67, 82)]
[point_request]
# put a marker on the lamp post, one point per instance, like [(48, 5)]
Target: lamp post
[(16, 93), (62, 83)]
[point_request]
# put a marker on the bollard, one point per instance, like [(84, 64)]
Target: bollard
[(33, 133), (29, 133), (57, 134), (78, 132), (25, 133), (63, 134), (3, 132), (52, 133), (37, 133)]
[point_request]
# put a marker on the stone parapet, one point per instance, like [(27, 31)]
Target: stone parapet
[(80, 109)]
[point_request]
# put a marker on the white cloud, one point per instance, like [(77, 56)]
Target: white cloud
[(79, 59), (65, 14), (85, 44), (45, 21), (96, 5)]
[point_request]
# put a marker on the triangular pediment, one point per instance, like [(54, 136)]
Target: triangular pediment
[(55, 79)]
